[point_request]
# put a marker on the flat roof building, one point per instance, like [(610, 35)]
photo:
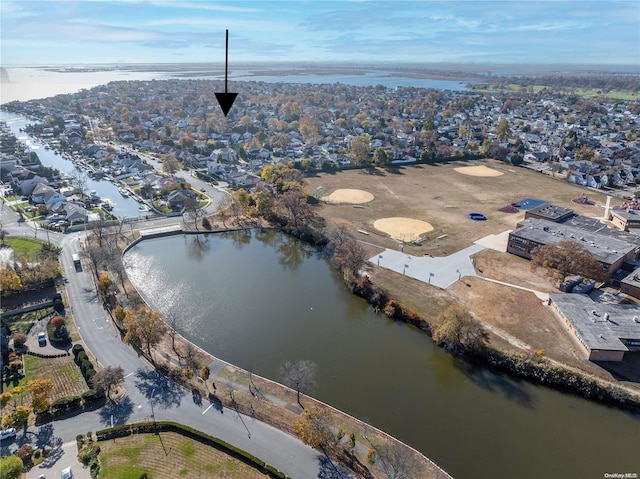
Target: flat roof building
[(625, 219), (603, 332), (533, 233), (549, 212)]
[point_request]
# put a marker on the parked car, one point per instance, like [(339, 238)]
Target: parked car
[(42, 339), (7, 433), (66, 473)]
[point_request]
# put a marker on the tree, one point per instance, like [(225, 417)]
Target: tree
[(11, 467), (456, 329), (585, 153), (382, 157), (299, 375), (144, 331), (398, 462), (568, 257), (107, 378), (192, 210), (104, 284), (503, 131), (170, 164), (314, 429), (40, 390), (9, 281), (349, 256), (204, 374), (299, 211), (360, 149), (282, 177)]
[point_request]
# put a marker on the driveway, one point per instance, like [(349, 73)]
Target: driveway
[(61, 457)]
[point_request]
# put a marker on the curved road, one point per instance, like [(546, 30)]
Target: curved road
[(147, 392)]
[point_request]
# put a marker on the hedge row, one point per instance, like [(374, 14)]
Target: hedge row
[(168, 426), (40, 355), (86, 366)]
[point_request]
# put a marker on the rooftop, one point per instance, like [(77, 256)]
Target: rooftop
[(599, 325), (550, 212), (604, 248)]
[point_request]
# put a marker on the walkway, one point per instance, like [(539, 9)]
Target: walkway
[(438, 271)]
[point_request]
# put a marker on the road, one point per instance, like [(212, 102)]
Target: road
[(147, 392)]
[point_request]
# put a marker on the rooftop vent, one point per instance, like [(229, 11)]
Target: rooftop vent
[(606, 316), (636, 320), (601, 336)]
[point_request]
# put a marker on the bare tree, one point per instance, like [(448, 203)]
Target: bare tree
[(110, 377), (192, 210), (299, 375), (398, 462), (79, 181)]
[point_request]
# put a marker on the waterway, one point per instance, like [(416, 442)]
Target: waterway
[(124, 207), (258, 298)]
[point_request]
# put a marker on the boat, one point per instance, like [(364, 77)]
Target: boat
[(123, 192), (143, 208)]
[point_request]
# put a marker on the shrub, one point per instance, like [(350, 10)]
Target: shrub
[(10, 467), (19, 339), (24, 453), (371, 456), (57, 322), (77, 349), (82, 356)]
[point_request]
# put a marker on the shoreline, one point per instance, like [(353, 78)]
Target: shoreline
[(553, 374), (170, 362)]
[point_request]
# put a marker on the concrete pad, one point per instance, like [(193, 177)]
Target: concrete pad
[(52, 466), (441, 272), (496, 242)]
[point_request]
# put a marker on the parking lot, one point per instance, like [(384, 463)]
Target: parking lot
[(52, 467)]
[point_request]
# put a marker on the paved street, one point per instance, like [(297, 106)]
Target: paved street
[(146, 388)]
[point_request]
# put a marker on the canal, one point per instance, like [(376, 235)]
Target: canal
[(256, 298), (124, 207)]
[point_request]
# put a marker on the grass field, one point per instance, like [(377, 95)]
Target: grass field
[(168, 456), (66, 376), (25, 246), (443, 197)]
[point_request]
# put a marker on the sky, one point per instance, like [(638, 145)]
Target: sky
[(34, 32)]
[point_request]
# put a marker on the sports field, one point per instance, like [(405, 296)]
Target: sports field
[(441, 196)]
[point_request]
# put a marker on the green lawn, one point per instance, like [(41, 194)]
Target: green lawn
[(167, 456), (25, 246)]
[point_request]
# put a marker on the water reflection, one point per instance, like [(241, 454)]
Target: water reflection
[(510, 388), (197, 246), (290, 254)]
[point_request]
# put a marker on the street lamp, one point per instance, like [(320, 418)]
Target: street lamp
[(379, 258), (153, 416), (405, 268), (459, 274)]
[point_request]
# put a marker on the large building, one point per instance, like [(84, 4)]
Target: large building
[(603, 332), (533, 233)]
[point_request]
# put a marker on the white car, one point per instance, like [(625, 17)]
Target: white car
[(66, 473), (42, 339), (7, 433)]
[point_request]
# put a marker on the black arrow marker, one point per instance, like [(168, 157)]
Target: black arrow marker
[(226, 99)]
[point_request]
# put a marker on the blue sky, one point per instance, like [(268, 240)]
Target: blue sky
[(360, 31)]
